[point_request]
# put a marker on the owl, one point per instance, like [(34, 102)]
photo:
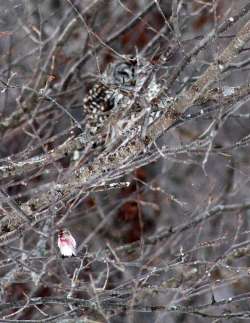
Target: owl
[(129, 86), (103, 97)]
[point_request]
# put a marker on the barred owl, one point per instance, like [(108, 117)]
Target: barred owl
[(125, 82), (100, 99)]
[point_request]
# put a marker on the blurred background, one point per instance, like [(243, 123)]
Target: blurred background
[(173, 246)]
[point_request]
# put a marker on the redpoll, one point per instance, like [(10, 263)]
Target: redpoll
[(66, 243)]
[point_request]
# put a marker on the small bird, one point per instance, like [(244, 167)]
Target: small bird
[(66, 243)]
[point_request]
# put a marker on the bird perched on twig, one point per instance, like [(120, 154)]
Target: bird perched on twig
[(125, 102), (66, 243), (104, 96)]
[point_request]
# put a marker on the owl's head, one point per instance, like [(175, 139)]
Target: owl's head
[(124, 74)]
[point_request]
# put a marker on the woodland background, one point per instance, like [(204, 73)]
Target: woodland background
[(174, 244)]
